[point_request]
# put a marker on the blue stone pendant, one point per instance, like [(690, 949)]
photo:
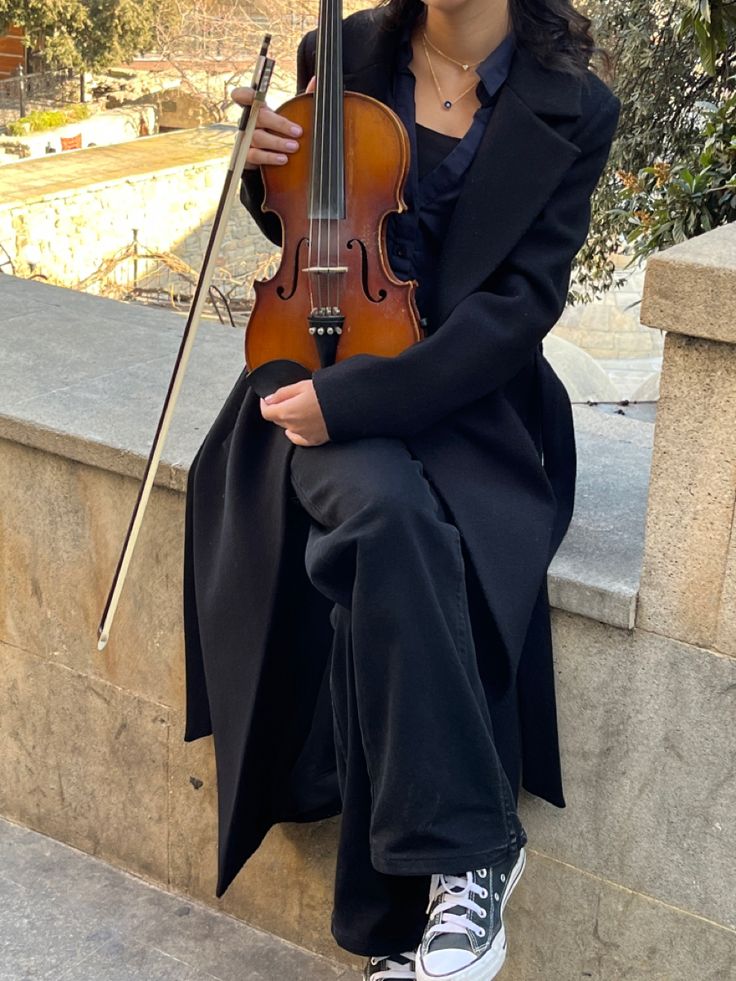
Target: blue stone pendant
[(447, 104)]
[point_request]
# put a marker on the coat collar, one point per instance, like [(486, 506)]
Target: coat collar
[(521, 159)]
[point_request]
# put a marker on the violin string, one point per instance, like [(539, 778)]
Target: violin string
[(317, 161), (328, 140), (334, 168), (333, 84), (340, 158), (322, 131)]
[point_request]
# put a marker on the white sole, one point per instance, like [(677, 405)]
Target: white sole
[(486, 967)]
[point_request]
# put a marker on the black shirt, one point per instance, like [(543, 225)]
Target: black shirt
[(432, 148)]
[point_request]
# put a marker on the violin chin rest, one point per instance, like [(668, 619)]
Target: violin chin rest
[(266, 378)]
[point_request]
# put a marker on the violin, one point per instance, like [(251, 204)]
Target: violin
[(333, 295)]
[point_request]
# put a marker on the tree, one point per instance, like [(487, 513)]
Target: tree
[(664, 204), (712, 22), (82, 34), (669, 58), (192, 33)]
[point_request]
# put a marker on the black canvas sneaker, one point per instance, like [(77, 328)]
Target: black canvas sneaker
[(391, 966), (465, 939)]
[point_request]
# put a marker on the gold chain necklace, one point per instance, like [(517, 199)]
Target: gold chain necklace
[(460, 64), (446, 103)]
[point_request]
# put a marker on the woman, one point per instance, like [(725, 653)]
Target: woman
[(403, 511)]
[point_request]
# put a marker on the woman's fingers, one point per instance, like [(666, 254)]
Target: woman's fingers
[(296, 438), (267, 118), (266, 139), (269, 148), (243, 95), (275, 136), (274, 121)]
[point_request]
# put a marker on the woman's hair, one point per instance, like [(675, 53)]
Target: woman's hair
[(555, 32)]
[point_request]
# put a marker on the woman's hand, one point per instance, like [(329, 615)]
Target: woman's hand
[(295, 407), (274, 137)]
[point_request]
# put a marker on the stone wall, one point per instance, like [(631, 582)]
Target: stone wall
[(68, 234), (630, 881)]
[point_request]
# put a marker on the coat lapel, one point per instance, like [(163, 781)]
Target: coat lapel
[(521, 159)]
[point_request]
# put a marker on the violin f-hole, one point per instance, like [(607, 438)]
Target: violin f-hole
[(382, 294), (280, 291)]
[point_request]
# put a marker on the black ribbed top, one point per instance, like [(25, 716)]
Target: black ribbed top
[(432, 148)]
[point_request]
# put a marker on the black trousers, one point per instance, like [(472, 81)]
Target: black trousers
[(426, 783)]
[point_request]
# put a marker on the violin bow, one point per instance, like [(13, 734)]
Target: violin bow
[(246, 127)]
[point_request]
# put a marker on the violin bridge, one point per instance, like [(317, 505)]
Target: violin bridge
[(325, 270)]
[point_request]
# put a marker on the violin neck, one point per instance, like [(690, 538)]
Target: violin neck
[(327, 197)]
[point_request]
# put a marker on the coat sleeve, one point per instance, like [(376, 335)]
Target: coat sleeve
[(491, 333), (252, 191)]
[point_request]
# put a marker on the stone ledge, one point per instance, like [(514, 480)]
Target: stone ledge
[(85, 379), (597, 569), (690, 288), (33, 180)]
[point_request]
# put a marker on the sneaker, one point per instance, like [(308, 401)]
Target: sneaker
[(391, 966), (465, 939)]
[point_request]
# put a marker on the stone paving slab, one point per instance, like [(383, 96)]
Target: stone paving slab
[(29, 180), (85, 377), (66, 916)]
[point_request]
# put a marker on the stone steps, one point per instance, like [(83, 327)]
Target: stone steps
[(66, 916)]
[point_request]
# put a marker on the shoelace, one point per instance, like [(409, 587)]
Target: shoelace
[(443, 884), (395, 970)]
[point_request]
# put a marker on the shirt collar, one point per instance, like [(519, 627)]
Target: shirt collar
[(492, 71)]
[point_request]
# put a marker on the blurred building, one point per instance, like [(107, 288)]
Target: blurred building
[(12, 52)]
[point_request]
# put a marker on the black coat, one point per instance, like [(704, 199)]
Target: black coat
[(475, 400)]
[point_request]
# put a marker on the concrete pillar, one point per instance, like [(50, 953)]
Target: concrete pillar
[(688, 582)]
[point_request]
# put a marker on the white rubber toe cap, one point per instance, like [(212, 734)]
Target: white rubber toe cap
[(440, 962)]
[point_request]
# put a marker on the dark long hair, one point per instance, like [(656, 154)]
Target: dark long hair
[(555, 32)]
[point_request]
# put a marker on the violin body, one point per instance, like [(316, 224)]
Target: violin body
[(334, 294)]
